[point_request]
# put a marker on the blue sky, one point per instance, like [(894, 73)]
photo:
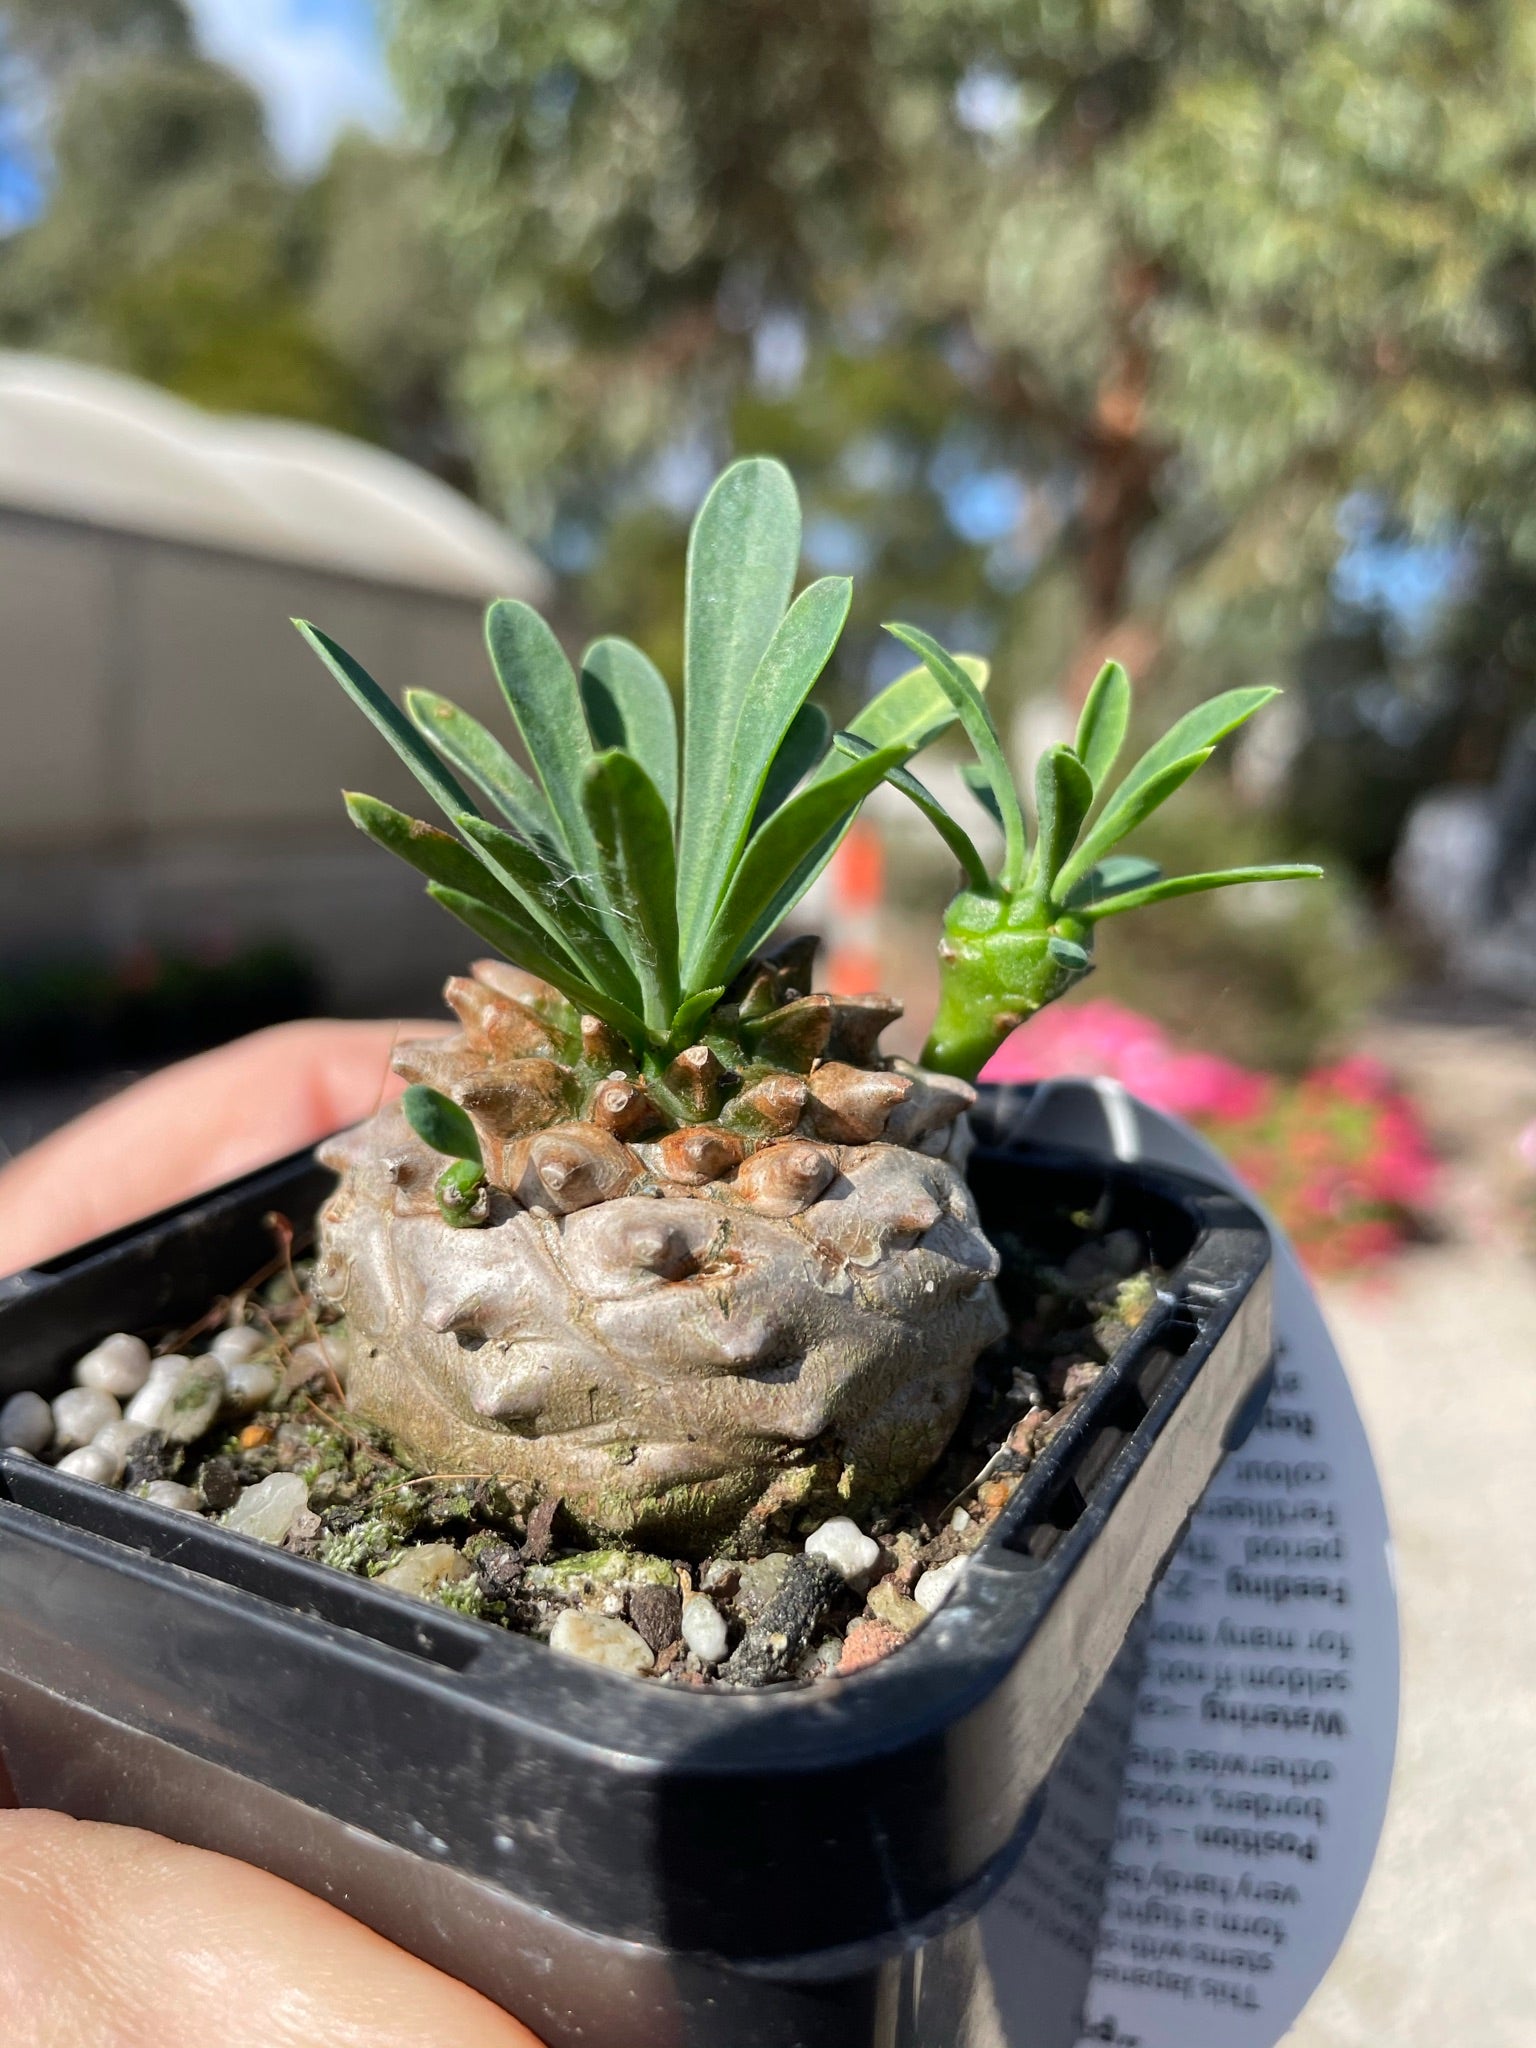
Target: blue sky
[(318, 65)]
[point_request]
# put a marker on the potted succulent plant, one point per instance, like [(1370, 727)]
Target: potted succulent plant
[(663, 1330)]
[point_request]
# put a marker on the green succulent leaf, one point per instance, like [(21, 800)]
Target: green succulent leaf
[(633, 830), (540, 686), (788, 671), (792, 836), (982, 734), (914, 710), (1197, 733), (441, 1123), (1128, 809), (742, 555), (1063, 798), (381, 710), (628, 705), (514, 934), (1109, 877), (691, 1014), (1191, 885), (463, 1199), (801, 750), (955, 836), (431, 851), (800, 878), (1067, 953), (479, 755), (976, 780), (1102, 726), (559, 902), (1198, 730)]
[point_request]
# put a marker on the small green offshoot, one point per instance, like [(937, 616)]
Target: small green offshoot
[(463, 1193), (1015, 941)]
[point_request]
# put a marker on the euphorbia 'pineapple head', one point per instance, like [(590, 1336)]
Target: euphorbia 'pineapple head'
[(701, 1252), (722, 1258)]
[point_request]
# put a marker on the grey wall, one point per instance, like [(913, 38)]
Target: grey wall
[(171, 755)]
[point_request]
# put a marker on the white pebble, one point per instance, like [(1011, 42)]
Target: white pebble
[(77, 1415), (935, 1586), (425, 1567), (844, 1545), (599, 1639), (93, 1463), (119, 1365), (704, 1628), (235, 1347), (249, 1385), (269, 1509), (26, 1424), (181, 1397), (119, 1438), (170, 1493), (959, 1521)]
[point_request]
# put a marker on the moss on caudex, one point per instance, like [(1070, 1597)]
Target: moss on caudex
[(699, 1249)]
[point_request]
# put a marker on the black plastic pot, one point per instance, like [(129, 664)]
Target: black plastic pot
[(621, 1865)]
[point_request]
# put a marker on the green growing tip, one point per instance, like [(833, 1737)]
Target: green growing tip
[(1016, 942)]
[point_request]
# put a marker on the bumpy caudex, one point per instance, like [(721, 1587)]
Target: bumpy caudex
[(720, 1257)]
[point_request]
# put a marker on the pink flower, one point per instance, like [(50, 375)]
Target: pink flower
[(1340, 1156), (1102, 1039)]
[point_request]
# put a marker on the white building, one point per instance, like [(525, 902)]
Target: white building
[(171, 754)]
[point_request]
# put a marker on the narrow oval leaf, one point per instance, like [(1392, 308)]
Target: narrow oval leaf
[(1068, 954), (914, 710), (1109, 877), (386, 716), (743, 552), (479, 755), (520, 940), (1197, 731), (628, 705), (691, 1015), (540, 686), (1193, 885), (794, 658), (782, 847), (955, 837), (802, 749), (431, 851), (1101, 728), (633, 830), (440, 1123), (1063, 798), (560, 902), (1129, 809), (982, 734), (974, 776)]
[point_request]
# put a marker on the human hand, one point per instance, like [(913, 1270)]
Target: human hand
[(193, 1126), (110, 1937)]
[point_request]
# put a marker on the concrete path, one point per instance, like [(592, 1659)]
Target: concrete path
[(1443, 1952)]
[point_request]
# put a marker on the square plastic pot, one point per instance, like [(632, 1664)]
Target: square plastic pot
[(621, 1865)]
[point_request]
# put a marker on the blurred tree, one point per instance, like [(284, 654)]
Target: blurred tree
[(1154, 286), (166, 247), (58, 34), (171, 246)]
